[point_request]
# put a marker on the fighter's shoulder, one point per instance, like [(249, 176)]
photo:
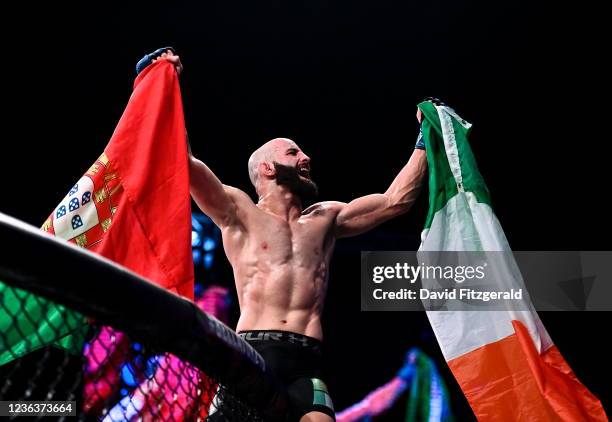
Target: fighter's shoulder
[(236, 194), (325, 207), (239, 197)]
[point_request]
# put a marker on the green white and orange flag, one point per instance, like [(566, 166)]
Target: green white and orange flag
[(505, 361)]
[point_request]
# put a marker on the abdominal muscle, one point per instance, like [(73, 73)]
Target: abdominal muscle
[(282, 299)]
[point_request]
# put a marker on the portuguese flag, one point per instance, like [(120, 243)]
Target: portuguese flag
[(132, 206)]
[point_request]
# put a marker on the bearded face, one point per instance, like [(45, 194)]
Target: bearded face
[(297, 180)]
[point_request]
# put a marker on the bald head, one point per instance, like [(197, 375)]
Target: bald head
[(265, 154)]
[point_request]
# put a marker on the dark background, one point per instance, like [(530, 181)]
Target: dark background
[(342, 79)]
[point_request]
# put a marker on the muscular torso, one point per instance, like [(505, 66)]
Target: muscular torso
[(281, 267)]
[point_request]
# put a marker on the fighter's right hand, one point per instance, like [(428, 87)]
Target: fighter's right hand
[(165, 53), (433, 100), (420, 143)]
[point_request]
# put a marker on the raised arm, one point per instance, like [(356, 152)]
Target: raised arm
[(218, 201), (367, 212)]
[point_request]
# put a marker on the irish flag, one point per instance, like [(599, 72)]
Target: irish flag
[(505, 361)]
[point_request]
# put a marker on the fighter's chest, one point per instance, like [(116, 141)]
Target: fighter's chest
[(283, 240)]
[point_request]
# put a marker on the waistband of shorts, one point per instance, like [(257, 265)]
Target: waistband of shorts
[(278, 335)]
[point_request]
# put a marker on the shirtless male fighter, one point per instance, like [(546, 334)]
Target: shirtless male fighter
[(280, 253)]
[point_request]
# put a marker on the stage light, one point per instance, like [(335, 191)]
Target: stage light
[(197, 256), (128, 375), (208, 260), (195, 224), (205, 238), (209, 244), (151, 366), (195, 239)]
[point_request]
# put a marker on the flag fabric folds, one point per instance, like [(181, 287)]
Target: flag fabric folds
[(504, 361), (131, 206)]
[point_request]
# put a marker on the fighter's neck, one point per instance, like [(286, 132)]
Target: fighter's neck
[(281, 202)]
